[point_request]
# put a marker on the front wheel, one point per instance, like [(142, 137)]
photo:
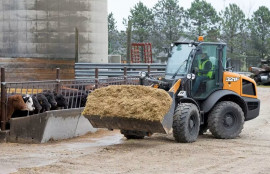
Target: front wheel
[(226, 120), (186, 123)]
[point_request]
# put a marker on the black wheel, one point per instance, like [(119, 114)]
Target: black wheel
[(133, 134), (186, 123), (226, 120)]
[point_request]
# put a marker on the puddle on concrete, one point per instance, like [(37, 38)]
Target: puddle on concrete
[(98, 142)]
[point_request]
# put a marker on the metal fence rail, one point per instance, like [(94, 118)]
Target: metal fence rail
[(86, 70)]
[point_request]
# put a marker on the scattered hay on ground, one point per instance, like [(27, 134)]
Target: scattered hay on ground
[(130, 101)]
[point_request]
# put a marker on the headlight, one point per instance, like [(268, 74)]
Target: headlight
[(188, 76), (193, 76), (143, 74)]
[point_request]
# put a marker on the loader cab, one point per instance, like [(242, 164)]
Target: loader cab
[(208, 65), (187, 59)]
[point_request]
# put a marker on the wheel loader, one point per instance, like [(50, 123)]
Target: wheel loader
[(213, 98)]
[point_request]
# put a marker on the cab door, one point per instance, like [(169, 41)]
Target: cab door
[(208, 71)]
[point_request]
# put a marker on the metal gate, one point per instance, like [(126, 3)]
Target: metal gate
[(141, 53)]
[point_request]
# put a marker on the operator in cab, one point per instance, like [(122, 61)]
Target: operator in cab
[(203, 71)]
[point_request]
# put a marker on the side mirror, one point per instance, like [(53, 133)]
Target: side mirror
[(167, 51), (199, 51), (229, 64)]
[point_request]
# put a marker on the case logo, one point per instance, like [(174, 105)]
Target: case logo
[(232, 79)]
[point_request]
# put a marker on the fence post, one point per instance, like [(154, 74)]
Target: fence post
[(96, 78), (3, 99), (125, 75), (57, 88), (76, 45), (129, 30), (148, 69)]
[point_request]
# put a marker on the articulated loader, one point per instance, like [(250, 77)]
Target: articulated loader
[(214, 99)]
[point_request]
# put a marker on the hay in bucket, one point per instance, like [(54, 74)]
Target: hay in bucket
[(129, 101)]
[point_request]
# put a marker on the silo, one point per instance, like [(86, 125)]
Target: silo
[(46, 29)]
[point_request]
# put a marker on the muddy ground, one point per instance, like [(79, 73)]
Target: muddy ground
[(109, 152)]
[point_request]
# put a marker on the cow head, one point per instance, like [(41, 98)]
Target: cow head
[(61, 100), (37, 105), (15, 102), (46, 106), (50, 97), (29, 102)]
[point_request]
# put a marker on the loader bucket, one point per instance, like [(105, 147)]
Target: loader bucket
[(133, 124)]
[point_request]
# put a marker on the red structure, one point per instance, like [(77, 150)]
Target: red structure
[(141, 53)]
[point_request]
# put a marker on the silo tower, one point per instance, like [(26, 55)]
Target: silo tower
[(47, 29)]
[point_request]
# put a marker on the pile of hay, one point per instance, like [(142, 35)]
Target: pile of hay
[(140, 102)]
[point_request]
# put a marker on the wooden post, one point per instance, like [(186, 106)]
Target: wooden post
[(76, 45), (129, 29), (96, 78), (3, 99), (57, 88), (125, 75)]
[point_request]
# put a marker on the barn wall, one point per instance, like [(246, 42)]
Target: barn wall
[(32, 69), (46, 29)]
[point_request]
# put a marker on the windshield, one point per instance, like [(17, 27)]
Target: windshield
[(177, 63)]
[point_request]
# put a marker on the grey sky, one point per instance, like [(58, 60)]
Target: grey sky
[(121, 8)]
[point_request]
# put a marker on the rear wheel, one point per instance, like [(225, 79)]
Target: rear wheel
[(133, 134), (186, 123), (226, 120)]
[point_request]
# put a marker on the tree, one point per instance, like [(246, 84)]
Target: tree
[(233, 28), (201, 17), (168, 22), (260, 31), (142, 22), (113, 35)]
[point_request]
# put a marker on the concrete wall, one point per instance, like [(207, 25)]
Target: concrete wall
[(46, 28), (50, 125)]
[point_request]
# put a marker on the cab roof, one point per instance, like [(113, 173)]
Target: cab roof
[(197, 43)]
